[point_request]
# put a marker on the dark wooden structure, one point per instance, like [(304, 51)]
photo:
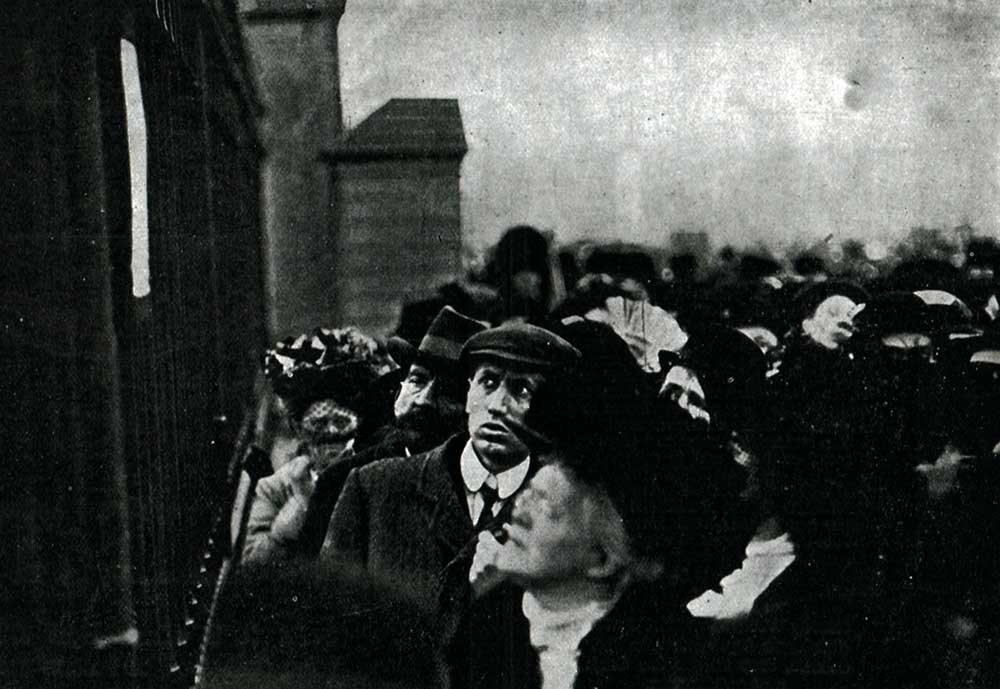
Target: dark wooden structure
[(396, 222), (119, 414)]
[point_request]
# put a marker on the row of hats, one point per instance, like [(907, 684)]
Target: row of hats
[(932, 310), (598, 412), (592, 397)]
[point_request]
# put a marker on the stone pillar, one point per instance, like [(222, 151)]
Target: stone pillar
[(396, 224), (293, 49)]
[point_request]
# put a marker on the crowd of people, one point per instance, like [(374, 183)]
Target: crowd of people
[(591, 476)]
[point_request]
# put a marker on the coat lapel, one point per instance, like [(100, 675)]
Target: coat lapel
[(445, 515)]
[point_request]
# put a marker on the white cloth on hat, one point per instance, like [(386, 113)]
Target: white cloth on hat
[(647, 329)]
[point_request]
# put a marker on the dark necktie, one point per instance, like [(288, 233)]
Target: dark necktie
[(490, 497)]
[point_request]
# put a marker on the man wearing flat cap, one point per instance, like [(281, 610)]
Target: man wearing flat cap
[(404, 520)]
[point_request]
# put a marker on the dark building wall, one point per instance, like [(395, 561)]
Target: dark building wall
[(293, 48), (119, 405), (397, 225)]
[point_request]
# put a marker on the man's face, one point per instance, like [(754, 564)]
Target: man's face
[(683, 387), (498, 398), (550, 537), (428, 401)]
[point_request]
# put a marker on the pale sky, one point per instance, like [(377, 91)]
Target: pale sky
[(756, 121)]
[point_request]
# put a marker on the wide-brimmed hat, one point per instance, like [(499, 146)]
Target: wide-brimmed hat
[(947, 313), (522, 345), (338, 364), (749, 304), (935, 313), (890, 313), (441, 345), (595, 418), (622, 448), (731, 369), (600, 390)]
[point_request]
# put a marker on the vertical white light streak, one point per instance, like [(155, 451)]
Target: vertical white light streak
[(136, 119)]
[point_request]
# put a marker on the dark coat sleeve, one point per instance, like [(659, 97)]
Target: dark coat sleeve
[(347, 534), (331, 482)]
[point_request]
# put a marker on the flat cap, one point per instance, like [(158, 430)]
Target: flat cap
[(520, 344)]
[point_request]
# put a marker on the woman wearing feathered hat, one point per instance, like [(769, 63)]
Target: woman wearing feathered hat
[(321, 379)]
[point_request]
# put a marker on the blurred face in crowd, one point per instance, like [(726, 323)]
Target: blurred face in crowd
[(683, 387), (327, 428), (555, 534), (527, 284), (497, 401), (832, 323), (429, 401)]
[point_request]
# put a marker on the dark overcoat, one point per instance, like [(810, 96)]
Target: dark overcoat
[(406, 522), (393, 443), (403, 519)]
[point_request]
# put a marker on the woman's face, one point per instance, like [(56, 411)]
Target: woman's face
[(327, 428), (550, 537)]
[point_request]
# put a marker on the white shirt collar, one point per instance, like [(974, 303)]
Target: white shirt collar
[(474, 474)]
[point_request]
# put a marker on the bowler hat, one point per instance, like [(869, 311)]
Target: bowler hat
[(521, 344), (441, 344)]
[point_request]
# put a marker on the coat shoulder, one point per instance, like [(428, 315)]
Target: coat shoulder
[(389, 471), (394, 473)]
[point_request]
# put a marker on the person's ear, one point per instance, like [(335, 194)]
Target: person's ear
[(603, 564), (467, 410)]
